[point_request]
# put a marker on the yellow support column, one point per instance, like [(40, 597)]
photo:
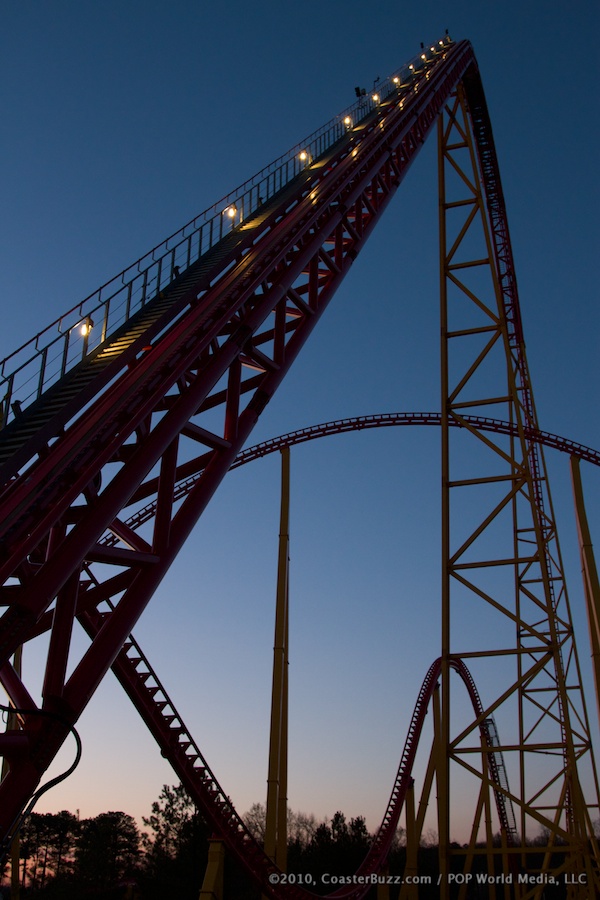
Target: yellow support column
[(276, 824), (441, 766), (409, 889), (590, 573), (212, 886), (383, 890), (282, 800), (442, 715)]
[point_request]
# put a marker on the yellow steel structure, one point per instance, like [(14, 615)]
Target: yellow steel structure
[(276, 807), (505, 609), (591, 586), (276, 821), (212, 886)]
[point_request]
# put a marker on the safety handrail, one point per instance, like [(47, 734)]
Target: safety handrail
[(40, 362)]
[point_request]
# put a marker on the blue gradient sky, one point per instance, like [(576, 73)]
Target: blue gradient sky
[(121, 122)]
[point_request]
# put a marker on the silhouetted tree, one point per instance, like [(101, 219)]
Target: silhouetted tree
[(256, 821), (63, 830), (337, 848), (68, 860), (170, 813), (301, 827), (176, 849), (47, 847), (107, 850)]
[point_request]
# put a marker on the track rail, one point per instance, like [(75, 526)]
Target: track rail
[(365, 423), (393, 420)]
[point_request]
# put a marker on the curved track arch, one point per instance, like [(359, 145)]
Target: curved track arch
[(377, 854), (387, 420), (143, 686), (364, 423)]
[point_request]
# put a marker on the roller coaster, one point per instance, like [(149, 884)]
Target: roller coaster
[(121, 419)]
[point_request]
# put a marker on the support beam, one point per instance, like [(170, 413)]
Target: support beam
[(591, 586), (409, 889), (276, 825), (212, 886), (12, 722)]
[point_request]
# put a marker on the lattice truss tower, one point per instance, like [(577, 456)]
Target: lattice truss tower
[(501, 561)]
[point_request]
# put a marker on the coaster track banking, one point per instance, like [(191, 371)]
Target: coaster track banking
[(247, 306)]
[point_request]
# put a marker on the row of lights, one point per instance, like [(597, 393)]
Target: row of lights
[(304, 155), (231, 211), (396, 79)]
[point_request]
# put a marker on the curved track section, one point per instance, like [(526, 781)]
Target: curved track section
[(387, 420), (364, 423), (160, 715)]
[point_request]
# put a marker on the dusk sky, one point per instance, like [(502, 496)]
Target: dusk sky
[(124, 120)]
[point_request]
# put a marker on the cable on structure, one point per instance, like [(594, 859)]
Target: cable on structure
[(17, 824)]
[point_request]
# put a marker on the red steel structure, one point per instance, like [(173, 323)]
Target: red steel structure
[(180, 356)]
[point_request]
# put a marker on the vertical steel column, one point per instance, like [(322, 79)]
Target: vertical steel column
[(212, 886), (15, 849), (276, 824), (441, 768), (410, 891), (591, 586), (442, 737)]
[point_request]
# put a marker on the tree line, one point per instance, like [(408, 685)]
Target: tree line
[(108, 857)]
